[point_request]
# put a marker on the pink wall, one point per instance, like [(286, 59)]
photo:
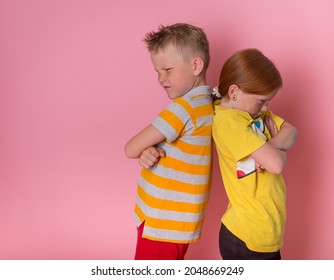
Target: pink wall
[(76, 83)]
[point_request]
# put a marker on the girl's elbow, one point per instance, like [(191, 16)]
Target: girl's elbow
[(277, 169), (278, 165)]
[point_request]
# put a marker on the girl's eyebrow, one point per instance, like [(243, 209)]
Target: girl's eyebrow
[(266, 98)]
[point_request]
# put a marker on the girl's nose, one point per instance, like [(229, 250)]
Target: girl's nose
[(264, 108)]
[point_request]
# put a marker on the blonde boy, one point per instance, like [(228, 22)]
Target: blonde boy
[(175, 149)]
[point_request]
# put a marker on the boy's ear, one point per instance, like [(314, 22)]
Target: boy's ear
[(198, 65)]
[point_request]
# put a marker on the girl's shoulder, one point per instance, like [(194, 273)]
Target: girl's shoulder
[(231, 115)]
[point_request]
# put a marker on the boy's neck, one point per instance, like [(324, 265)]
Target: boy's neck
[(201, 81)]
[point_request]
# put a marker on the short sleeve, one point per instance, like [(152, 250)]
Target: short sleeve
[(171, 121), (238, 137)]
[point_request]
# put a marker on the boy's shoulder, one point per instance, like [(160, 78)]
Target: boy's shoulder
[(201, 94), (197, 91)]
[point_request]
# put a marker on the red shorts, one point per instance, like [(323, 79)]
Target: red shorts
[(156, 250)]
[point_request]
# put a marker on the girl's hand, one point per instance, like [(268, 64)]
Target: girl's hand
[(271, 125), (258, 167)]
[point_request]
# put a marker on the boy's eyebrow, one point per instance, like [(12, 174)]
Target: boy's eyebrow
[(163, 69)]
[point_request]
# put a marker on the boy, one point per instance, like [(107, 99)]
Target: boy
[(173, 189)]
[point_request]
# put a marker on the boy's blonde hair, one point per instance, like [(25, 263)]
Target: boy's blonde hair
[(251, 71), (188, 39)]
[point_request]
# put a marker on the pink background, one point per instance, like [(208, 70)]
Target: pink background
[(76, 83)]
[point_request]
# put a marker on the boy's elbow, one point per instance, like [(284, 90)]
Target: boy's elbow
[(129, 152)]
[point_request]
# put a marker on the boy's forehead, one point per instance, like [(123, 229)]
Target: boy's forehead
[(168, 50), (167, 57), (164, 47), (171, 50)]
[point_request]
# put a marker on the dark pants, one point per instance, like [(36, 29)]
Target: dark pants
[(233, 248)]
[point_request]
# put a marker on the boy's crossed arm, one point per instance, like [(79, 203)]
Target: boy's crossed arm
[(150, 156), (142, 146)]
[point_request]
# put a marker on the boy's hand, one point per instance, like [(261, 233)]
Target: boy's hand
[(150, 156)]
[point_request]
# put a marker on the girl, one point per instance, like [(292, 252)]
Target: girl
[(251, 144)]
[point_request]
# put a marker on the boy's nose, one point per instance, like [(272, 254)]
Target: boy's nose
[(161, 78)]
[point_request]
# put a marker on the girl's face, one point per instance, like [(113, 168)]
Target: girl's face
[(254, 104), (175, 73)]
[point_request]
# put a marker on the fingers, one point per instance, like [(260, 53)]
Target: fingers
[(258, 167), (150, 156), (271, 125), (161, 152), (145, 163)]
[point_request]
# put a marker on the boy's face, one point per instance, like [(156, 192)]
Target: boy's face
[(175, 72)]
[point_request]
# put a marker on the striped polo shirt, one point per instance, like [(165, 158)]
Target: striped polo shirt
[(173, 194)]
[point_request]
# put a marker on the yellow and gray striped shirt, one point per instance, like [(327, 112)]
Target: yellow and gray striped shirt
[(173, 194)]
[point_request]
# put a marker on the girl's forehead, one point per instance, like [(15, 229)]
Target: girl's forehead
[(267, 96)]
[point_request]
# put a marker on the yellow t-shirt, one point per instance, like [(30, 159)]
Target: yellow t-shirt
[(256, 212)]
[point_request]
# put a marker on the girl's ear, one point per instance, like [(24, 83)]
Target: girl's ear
[(198, 65), (233, 91)]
